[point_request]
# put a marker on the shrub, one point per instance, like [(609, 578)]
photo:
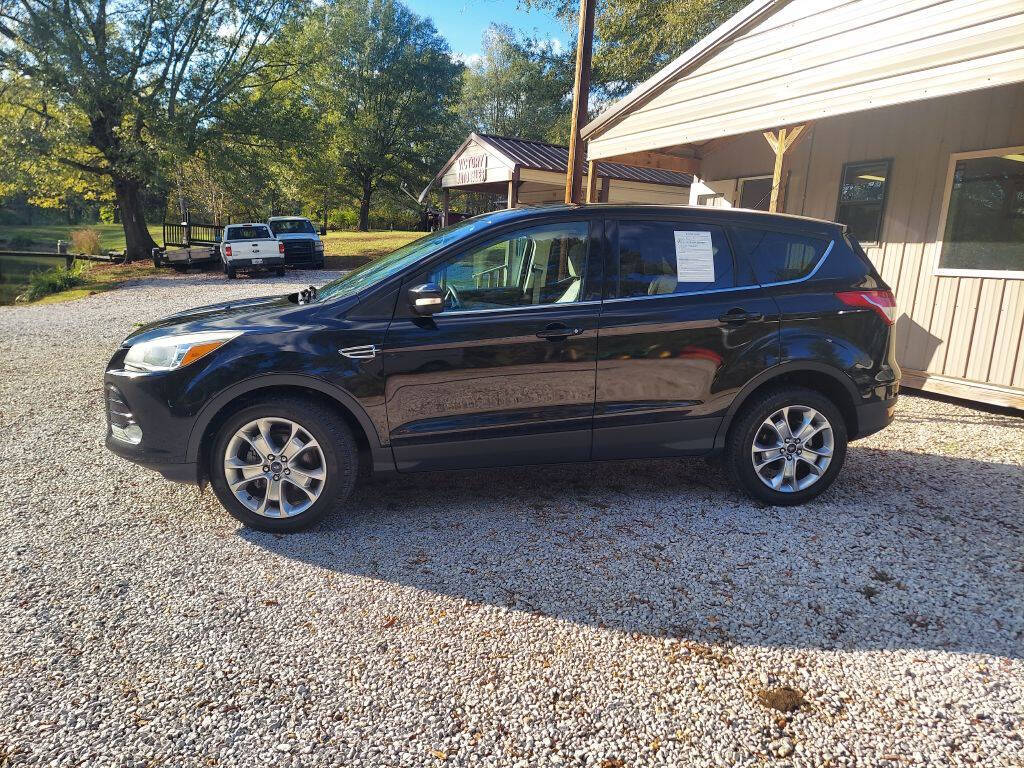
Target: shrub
[(86, 241), (54, 280)]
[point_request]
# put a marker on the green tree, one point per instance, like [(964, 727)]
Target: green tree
[(633, 39), (384, 86), (127, 83), (520, 88)]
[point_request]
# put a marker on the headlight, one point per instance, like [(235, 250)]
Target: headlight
[(170, 352), (318, 246)]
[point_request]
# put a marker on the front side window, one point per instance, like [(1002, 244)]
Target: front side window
[(777, 257), (985, 214), (248, 233), (672, 257), (540, 265), (862, 193)]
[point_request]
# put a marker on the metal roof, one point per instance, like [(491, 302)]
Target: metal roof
[(542, 156)]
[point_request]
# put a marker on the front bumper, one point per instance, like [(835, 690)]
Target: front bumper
[(184, 472), (142, 401)]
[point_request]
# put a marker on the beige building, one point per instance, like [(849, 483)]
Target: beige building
[(902, 118), (533, 172)]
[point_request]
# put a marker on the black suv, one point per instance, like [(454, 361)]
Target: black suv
[(527, 336)]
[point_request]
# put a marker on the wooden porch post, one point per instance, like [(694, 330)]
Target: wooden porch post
[(445, 205), (606, 185), (781, 143), (580, 96), (513, 188), (592, 181)]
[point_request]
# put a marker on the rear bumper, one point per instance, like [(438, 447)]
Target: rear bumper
[(878, 414), (268, 262)]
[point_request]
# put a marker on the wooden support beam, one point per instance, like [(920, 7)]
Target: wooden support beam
[(446, 197), (781, 143), (660, 160), (513, 188), (591, 182), (606, 184), (580, 98)]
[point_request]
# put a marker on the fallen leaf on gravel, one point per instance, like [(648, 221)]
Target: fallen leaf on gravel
[(389, 622), (440, 754), (613, 762)]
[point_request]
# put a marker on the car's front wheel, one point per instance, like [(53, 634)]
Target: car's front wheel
[(787, 445), (282, 464)]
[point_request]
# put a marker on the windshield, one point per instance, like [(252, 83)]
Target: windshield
[(291, 226), (396, 261)]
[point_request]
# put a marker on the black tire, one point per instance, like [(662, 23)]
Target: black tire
[(230, 272), (341, 457), (180, 270), (748, 424), (279, 272)]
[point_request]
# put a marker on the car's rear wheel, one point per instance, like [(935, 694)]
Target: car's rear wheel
[(283, 464), (279, 271), (230, 272), (787, 446)]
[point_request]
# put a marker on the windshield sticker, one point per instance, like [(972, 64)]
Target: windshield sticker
[(695, 258)]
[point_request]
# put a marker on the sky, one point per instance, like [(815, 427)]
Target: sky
[(462, 22)]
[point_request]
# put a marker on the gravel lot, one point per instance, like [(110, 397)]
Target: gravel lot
[(622, 614)]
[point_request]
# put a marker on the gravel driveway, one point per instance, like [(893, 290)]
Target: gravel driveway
[(625, 614)]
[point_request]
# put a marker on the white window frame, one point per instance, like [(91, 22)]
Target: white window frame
[(1007, 274)]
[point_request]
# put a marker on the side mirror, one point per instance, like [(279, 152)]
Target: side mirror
[(426, 299)]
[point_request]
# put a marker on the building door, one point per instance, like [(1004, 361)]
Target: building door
[(755, 193)]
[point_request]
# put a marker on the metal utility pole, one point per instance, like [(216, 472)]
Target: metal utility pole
[(580, 97)]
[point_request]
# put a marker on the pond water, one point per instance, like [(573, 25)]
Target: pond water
[(15, 270)]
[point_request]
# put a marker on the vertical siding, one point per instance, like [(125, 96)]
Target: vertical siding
[(964, 328)]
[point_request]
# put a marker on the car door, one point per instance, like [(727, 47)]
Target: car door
[(683, 327), (505, 373)]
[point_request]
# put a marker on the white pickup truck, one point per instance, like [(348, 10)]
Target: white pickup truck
[(252, 248)]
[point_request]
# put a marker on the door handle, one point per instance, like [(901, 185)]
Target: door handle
[(558, 332), (738, 316)]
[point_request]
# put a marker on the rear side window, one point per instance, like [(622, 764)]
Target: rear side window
[(248, 233), (779, 256), (672, 257)]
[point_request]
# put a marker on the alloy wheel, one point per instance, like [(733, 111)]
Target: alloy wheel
[(792, 448), (275, 467)]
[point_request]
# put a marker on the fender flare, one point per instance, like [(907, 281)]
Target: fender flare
[(791, 366), (256, 383)]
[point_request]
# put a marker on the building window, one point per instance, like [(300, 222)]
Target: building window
[(983, 220), (862, 194), (756, 193)]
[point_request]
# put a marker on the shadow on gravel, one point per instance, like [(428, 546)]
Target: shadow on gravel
[(907, 551)]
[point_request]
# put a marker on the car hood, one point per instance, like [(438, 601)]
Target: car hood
[(264, 314)]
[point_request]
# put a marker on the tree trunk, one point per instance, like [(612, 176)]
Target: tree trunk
[(364, 207), (139, 243)]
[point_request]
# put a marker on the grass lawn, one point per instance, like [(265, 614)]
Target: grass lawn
[(45, 236), (345, 250)]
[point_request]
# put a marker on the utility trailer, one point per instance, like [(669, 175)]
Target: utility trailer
[(188, 244)]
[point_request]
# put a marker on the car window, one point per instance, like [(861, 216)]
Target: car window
[(540, 265), (292, 226), (248, 233), (779, 256), (672, 257)]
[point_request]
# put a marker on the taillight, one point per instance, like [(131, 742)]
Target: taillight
[(280, 247), (882, 302), (227, 251)]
